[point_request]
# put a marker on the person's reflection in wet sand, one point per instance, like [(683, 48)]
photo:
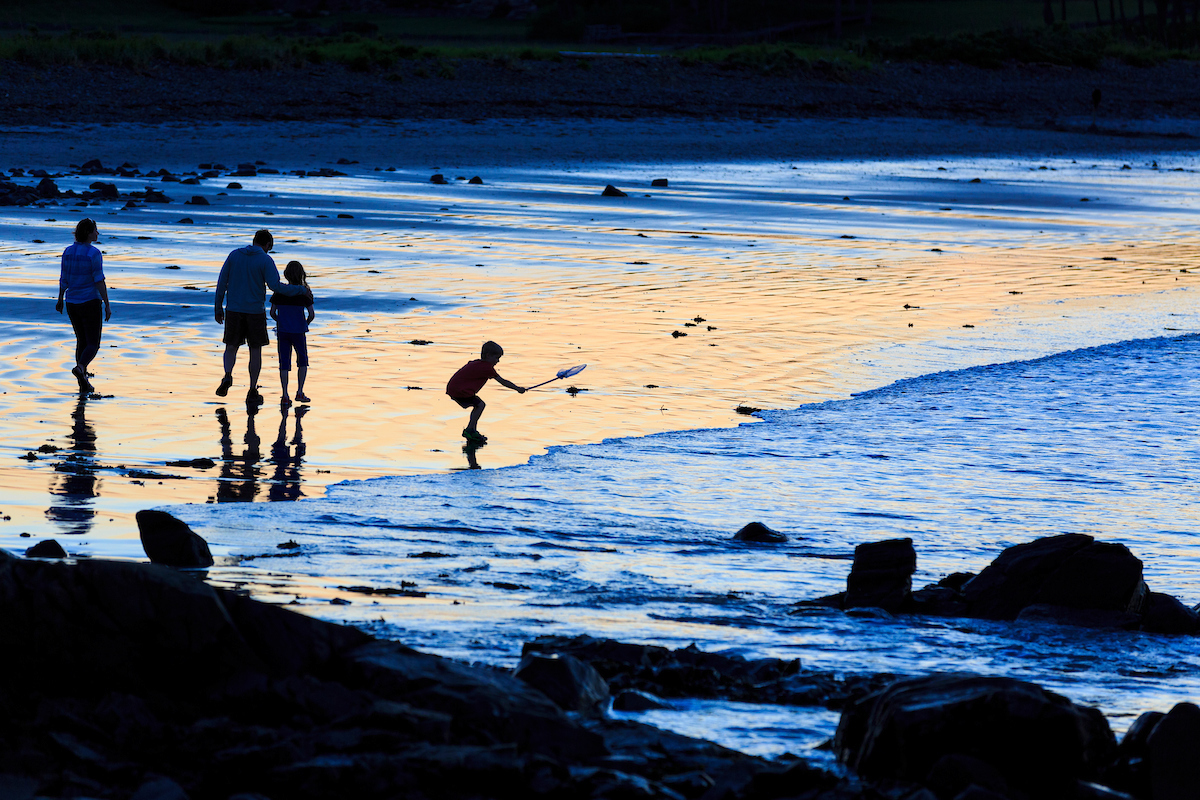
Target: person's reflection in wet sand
[(238, 481), (469, 450), (75, 478), (285, 483)]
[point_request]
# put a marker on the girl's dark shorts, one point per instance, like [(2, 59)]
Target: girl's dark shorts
[(242, 328), (467, 402)]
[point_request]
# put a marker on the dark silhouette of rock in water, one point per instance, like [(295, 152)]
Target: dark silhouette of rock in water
[(659, 182), (476, 180), (170, 541), (438, 178), (612, 191), (48, 548), (757, 532), (1039, 742), (881, 576), (1070, 571), (1163, 613), (572, 684)]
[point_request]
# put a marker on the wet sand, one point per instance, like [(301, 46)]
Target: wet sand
[(786, 252)]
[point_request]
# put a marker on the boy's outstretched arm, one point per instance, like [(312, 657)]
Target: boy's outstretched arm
[(510, 384)]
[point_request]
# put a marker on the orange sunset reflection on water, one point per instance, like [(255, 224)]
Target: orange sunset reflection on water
[(684, 304)]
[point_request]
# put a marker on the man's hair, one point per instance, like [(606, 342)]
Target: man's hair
[(491, 349), (264, 239), (84, 229)]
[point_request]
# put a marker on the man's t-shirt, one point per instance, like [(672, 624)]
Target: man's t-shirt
[(471, 378), (290, 313), (245, 275)]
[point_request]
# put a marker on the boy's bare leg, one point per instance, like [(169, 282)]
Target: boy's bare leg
[(283, 381), (476, 413)]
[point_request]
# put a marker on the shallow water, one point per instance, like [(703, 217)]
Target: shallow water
[(631, 538), (803, 270)]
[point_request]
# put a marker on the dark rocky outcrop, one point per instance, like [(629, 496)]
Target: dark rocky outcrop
[(612, 191), (757, 532), (690, 672), (170, 541), (47, 548), (572, 684), (439, 178), (1007, 732), (1070, 579), (123, 679), (881, 575)]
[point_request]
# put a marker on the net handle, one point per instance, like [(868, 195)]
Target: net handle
[(562, 373)]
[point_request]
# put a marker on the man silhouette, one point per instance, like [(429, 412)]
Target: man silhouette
[(245, 276)]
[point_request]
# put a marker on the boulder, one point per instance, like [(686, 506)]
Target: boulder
[(438, 178), (572, 684), (1171, 750), (1163, 613), (757, 532), (1010, 582), (1103, 576), (47, 548), (196, 200), (47, 188), (155, 196), (106, 190), (659, 182), (1038, 741), (881, 576), (612, 191), (170, 541), (484, 705), (476, 180)]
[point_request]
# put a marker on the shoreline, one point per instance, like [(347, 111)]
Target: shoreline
[(537, 265)]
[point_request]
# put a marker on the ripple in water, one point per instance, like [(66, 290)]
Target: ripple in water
[(630, 538)]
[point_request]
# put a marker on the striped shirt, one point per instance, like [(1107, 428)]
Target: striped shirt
[(82, 269)]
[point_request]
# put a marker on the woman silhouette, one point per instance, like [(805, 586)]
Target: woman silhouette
[(81, 284)]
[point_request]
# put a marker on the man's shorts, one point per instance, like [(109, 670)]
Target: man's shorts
[(288, 342), (467, 402), (242, 328)]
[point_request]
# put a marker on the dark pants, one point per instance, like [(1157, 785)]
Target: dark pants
[(87, 319)]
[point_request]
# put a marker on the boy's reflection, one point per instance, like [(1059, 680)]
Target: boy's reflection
[(286, 480), (75, 478), (239, 474)]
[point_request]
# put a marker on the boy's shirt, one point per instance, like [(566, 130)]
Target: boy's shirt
[(291, 313), (470, 378)]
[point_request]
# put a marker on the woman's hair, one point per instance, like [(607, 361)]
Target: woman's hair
[(84, 229), (294, 273)]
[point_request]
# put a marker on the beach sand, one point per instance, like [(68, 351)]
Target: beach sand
[(787, 253)]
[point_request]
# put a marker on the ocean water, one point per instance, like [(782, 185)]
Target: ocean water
[(1027, 392), (630, 538)]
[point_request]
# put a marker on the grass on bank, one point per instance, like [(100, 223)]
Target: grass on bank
[(257, 51)]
